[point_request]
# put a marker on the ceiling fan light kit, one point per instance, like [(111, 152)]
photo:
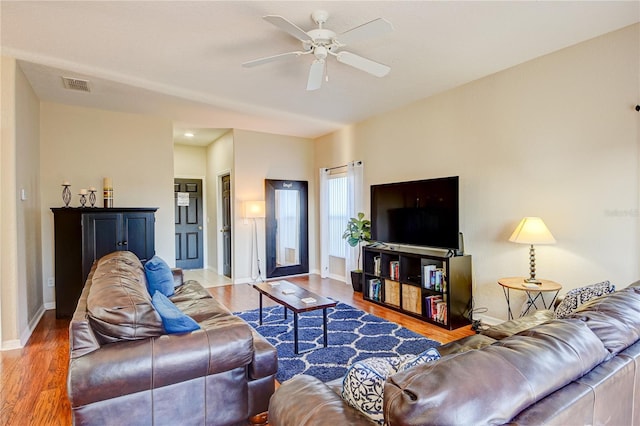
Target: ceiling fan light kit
[(321, 43)]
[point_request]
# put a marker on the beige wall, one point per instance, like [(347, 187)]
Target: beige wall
[(260, 156), (189, 161), (555, 137), (219, 162), (21, 298), (9, 304), (83, 145), (28, 209)]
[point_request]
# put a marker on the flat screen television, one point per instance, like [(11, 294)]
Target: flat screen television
[(422, 213)]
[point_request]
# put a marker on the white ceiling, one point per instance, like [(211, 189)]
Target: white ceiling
[(182, 59)]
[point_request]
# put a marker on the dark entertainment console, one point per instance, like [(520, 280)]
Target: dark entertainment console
[(83, 235), (426, 284)]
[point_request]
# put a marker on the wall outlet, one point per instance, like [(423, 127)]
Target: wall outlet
[(51, 282)]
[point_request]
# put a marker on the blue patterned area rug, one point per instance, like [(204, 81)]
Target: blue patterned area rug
[(353, 335)]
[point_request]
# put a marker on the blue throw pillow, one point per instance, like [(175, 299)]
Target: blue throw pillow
[(173, 319), (159, 276)]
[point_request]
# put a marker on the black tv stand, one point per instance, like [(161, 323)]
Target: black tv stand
[(432, 285)]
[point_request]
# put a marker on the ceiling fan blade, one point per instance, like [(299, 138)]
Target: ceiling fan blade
[(287, 26), (261, 61), (316, 74), (363, 64), (373, 28)]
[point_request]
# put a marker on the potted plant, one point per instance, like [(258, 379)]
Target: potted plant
[(358, 231)]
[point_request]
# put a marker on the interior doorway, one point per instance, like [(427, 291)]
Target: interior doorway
[(188, 223)]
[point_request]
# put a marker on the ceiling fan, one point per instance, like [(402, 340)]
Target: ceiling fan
[(322, 43)]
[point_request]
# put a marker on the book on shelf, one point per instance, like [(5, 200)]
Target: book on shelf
[(376, 266), (394, 270), (433, 278), (436, 308), (375, 289)]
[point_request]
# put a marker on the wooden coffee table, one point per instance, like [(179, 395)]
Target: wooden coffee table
[(292, 297)]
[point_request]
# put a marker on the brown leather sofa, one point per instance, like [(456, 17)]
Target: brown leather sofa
[(581, 370), (124, 369)]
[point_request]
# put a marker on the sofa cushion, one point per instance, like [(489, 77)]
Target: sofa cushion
[(615, 319), (579, 296), (159, 276), (516, 325), (189, 290), (118, 305), (173, 320), (492, 385), (363, 385)]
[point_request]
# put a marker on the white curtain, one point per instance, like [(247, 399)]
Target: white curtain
[(354, 205), (324, 223)]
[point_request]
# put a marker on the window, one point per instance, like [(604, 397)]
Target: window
[(338, 216)]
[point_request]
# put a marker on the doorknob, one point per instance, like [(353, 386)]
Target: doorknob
[(200, 228)]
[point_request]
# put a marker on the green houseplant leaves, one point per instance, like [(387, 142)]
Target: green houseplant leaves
[(358, 231)]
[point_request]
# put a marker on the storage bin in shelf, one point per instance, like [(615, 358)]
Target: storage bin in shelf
[(411, 299), (392, 293)]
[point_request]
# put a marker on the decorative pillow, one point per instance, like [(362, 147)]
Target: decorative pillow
[(429, 355), (173, 319), (159, 276), (363, 385), (578, 296)]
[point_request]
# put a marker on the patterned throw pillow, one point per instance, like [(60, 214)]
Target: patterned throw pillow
[(363, 385), (578, 296)]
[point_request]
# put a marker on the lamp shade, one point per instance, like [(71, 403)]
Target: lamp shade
[(253, 209), (532, 230)]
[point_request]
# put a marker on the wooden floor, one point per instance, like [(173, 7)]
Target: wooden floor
[(33, 379)]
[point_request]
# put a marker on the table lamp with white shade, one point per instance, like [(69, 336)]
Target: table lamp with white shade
[(532, 230)]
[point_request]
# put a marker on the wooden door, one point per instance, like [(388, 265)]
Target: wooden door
[(189, 224), (226, 225)]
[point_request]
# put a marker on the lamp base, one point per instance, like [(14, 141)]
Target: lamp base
[(532, 281)]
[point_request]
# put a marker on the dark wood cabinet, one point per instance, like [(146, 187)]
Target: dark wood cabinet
[(83, 235), (423, 283)]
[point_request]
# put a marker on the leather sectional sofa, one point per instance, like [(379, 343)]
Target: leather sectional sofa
[(124, 369), (580, 370)]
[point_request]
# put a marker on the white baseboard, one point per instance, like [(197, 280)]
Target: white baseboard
[(486, 319), (8, 345)]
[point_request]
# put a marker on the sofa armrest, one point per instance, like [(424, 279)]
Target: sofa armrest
[(306, 401), (265, 358), (178, 277), (128, 367)]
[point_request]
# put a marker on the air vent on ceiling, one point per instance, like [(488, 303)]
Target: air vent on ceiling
[(76, 84)]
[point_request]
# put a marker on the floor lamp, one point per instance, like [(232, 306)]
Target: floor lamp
[(254, 210)]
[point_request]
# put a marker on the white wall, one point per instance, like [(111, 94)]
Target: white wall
[(83, 145), (260, 156), (219, 162), (555, 137)]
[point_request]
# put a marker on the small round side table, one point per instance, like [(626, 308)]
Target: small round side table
[(534, 292)]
